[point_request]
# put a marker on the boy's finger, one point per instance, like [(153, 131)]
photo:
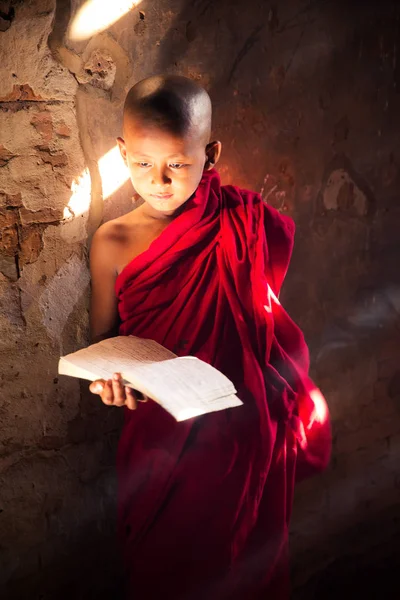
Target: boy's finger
[(140, 397), (131, 401), (96, 387), (118, 390), (108, 395)]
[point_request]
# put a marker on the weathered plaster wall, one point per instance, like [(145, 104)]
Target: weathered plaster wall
[(306, 98), (56, 448)]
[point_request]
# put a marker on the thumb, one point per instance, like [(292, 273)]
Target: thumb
[(96, 387)]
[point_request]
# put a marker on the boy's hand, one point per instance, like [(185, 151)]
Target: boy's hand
[(113, 393)]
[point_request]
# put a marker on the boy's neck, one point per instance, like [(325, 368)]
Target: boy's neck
[(151, 213)]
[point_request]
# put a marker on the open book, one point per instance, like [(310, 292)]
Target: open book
[(185, 386)]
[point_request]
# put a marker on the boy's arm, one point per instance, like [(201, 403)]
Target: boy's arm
[(104, 314), (103, 301)]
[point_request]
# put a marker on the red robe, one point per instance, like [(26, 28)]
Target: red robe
[(204, 505)]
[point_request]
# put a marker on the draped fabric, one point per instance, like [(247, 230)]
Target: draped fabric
[(204, 504)]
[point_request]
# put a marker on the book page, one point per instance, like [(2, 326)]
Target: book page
[(188, 412), (185, 387), (113, 355)]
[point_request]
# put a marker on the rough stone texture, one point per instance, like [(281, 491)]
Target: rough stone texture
[(306, 98), (100, 71), (55, 450), (341, 193)]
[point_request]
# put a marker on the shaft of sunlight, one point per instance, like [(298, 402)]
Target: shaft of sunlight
[(79, 201), (113, 171), (96, 15)]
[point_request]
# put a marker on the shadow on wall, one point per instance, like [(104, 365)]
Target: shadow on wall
[(99, 575), (352, 574)]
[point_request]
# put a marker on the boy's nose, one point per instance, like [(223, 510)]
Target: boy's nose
[(160, 177)]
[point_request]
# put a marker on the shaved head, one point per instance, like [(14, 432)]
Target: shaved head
[(166, 144), (173, 103)]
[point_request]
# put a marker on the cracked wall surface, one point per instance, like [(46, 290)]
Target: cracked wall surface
[(306, 103)]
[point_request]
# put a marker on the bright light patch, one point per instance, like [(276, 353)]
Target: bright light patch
[(79, 201), (189, 413), (113, 172), (96, 15), (271, 297), (320, 412)]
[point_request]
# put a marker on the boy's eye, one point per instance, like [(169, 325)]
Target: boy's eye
[(143, 165), (177, 165)]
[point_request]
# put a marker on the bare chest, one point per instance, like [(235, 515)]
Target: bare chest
[(137, 240)]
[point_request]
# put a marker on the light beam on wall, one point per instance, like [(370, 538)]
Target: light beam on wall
[(79, 201), (96, 15), (113, 173)]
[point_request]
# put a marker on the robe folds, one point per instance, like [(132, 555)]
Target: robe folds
[(204, 504)]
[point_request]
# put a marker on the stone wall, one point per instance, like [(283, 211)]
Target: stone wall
[(56, 449), (306, 98)]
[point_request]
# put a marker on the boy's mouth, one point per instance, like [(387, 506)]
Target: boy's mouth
[(161, 196)]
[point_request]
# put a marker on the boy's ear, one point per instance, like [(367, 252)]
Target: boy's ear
[(122, 149), (213, 152)]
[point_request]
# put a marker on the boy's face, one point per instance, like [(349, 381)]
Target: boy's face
[(165, 170)]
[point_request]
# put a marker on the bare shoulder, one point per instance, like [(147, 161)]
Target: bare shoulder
[(115, 231), (111, 239)]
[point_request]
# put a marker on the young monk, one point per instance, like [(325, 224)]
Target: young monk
[(204, 504)]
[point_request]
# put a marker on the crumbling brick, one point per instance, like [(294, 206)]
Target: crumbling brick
[(43, 123), (31, 244), (21, 93)]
